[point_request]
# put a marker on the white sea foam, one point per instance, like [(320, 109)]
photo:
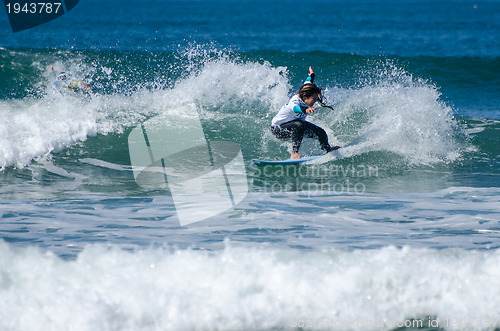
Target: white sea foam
[(33, 128), (399, 114), (244, 288)]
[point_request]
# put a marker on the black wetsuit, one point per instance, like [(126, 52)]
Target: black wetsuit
[(296, 130)]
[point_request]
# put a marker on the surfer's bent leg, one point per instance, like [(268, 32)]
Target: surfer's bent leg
[(293, 129), (314, 130)]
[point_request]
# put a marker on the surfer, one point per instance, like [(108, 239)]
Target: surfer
[(63, 83), (290, 122)]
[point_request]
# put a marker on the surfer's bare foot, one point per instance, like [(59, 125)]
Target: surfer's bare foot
[(295, 156)]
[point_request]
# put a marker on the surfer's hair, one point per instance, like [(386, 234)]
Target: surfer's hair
[(308, 90)]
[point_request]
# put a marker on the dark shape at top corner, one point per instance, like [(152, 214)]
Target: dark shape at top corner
[(70, 4), (27, 14)]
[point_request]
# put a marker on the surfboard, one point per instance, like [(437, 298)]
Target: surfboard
[(286, 162), (333, 155), (78, 87)]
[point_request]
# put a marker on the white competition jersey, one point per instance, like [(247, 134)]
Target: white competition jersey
[(294, 109)]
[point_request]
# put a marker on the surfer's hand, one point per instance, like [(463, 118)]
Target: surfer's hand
[(311, 70), (310, 110)]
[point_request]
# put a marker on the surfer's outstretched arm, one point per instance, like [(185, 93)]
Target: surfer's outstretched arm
[(310, 77)]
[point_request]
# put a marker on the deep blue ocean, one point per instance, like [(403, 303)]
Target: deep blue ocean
[(398, 230)]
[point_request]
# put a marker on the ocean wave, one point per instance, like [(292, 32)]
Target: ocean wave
[(245, 288), (387, 109)]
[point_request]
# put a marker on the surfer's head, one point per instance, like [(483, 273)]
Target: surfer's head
[(62, 76), (310, 94)]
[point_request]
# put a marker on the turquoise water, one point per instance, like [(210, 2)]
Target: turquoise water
[(400, 229)]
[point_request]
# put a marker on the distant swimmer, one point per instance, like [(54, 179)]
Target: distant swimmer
[(64, 83), (290, 122)]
